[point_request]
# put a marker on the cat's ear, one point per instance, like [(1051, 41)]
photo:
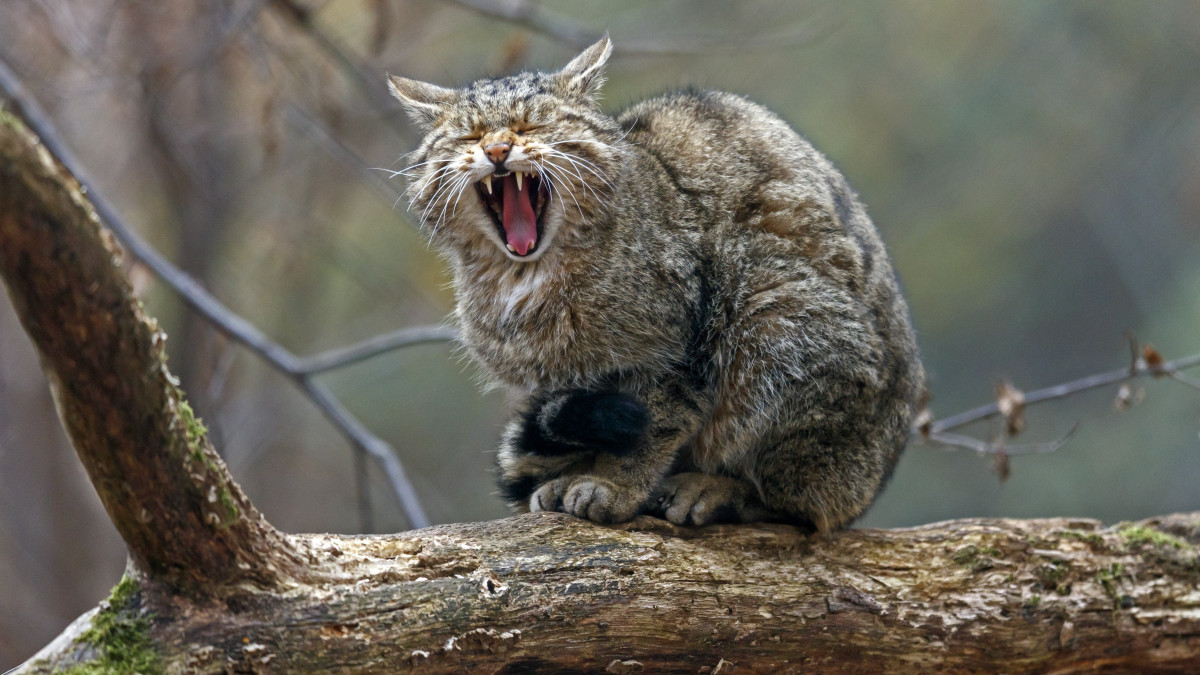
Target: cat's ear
[(583, 76), (423, 101)]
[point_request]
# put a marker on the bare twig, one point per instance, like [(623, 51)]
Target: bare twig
[(371, 84), (405, 337), (994, 447), (1011, 403), (1139, 369), (1185, 379), (300, 371), (319, 130), (531, 15)]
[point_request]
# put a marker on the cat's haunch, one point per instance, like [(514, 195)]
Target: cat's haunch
[(695, 309)]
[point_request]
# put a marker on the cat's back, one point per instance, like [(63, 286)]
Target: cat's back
[(715, 145), (778, 215)]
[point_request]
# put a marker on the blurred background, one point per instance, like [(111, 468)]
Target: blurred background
[(1034, 168)]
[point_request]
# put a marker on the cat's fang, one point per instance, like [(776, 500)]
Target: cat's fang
[(512, 248), (519, 175), (487, 182)]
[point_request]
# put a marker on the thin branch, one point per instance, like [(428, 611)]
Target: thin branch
[(1185, 379), (366, 81), (996, 447), (224, 320), (374, 446), (1139, 369), (531, 15), (405, 337), (334, 147)]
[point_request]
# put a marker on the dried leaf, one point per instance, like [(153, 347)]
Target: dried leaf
[(1011, 402), (1154, 360), (1128, 396), (924, 422), (1000, 464), (1124, 398)]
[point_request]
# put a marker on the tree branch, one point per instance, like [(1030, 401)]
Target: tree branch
[(1011, 404), (182, 517), (219, 316), (546, 592), (533, 16), (1139, 369), (370, 348)]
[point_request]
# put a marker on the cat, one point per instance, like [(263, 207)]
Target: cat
[(693, 308)]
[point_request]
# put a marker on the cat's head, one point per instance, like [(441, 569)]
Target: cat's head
[(513, 162)]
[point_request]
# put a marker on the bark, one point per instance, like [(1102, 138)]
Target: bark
[(181, 515), (212, 587)]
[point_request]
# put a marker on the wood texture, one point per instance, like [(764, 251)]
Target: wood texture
[(214, 588), (168, 493)]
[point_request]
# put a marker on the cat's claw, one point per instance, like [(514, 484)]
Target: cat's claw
[(588, 497), (699, 499)]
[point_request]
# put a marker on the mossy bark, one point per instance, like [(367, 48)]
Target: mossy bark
[(212, 587), (182, 517), (550, 593)]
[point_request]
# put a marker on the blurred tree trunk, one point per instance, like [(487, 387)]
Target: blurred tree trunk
[(212, 587)]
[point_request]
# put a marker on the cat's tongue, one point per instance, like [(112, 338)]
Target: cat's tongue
[(520, 223)]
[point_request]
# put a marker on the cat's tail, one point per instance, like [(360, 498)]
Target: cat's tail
[(583, 420)]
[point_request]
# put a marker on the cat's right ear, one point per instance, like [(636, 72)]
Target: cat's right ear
[(424, 102), (583, 76)]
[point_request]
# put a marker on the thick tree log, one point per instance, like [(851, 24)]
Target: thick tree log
[(548, 592), (212, 587)]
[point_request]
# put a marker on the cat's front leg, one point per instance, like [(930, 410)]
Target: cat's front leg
[(693, 498)]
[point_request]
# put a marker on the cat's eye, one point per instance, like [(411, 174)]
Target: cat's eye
[(526, 127), (471, 137)]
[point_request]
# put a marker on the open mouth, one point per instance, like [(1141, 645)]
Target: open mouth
[(516, 201)]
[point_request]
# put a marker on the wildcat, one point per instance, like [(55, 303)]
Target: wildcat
[(693, 308)]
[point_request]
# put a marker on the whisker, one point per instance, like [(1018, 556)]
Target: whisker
[(443, 185), (581, 160), (457, 185), (552, 171), (405, 171), (583, 181), (407, 154), (589, 166), (425, 181), (593, 141)]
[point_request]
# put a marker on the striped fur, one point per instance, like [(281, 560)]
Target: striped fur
[(700, 269)]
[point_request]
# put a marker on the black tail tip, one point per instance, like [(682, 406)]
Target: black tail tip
[(582, 420), (613, 422)]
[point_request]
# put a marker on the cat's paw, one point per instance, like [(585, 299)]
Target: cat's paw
[(589, 497), (548, 497), (701, 499)]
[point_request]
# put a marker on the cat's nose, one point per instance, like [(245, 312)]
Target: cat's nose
[(497, 152)]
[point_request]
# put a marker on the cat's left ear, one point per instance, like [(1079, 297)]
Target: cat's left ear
[(583, 76), (424, 102)]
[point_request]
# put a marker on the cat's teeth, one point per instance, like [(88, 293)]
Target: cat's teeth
[(519, 174), (487, 183), (512, 248)]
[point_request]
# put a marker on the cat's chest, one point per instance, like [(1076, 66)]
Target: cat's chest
[(524, 326), (519, 301)]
